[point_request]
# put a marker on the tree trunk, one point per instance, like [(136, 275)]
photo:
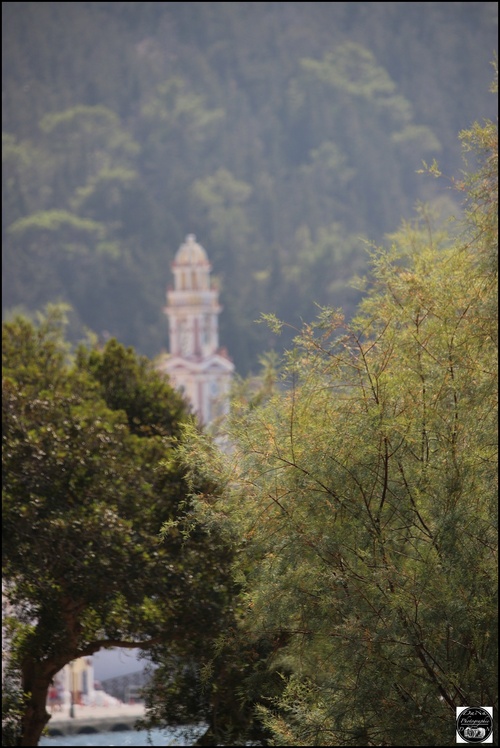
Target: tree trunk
[(35, 716), (207, 738)]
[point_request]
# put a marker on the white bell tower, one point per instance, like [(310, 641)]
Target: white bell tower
[(196, 365)]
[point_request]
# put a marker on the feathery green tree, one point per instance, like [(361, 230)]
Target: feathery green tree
[(363, 495)]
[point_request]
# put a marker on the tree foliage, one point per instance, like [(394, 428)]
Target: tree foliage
[(90, 476), (362, 494)]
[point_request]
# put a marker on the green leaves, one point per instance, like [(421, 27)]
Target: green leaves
[(352, 68), (131, 384), (54, 221), (91, 474), (361, 496)]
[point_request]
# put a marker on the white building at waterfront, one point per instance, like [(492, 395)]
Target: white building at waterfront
[(196, 364)]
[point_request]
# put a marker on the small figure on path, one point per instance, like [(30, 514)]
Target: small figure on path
[(53, 699)]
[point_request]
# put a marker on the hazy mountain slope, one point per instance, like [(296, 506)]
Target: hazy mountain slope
[(281, 134)]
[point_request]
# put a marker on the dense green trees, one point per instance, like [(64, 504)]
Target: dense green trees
[(90, 477), (266, 129), (359, 492), (362, 493)]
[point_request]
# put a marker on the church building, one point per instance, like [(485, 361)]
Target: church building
[(195, 364)]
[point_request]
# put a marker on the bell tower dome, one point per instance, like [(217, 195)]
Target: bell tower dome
[(192, 306), (195, 364)]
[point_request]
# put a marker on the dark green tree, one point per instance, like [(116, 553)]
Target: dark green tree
[(220, 685), (90, 476)]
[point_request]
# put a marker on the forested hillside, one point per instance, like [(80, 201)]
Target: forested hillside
[(283, 135)]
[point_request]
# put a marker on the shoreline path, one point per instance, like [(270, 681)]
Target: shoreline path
[(98, 712)]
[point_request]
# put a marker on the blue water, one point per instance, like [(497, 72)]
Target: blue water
[(169, 736)]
